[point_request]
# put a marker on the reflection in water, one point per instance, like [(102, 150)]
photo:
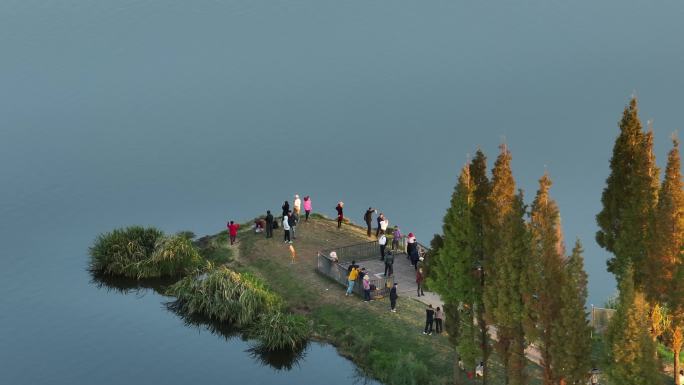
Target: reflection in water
[(279, 360), (125, 285)]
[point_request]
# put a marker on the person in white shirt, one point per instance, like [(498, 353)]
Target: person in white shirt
[(286, 228), (382, 241), (297, 204), (479, 370)]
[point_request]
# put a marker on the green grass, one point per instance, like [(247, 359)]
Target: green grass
[(215, 248)]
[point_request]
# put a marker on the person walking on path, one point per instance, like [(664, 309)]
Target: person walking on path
[(380, 218), (340, 213), (286, 208), (396, 236), (439, 316), (366, 288), (286, 229), (307, 208), (368, 218), (232, 231), (393, 298), (297, 204), (351, 279), (382, 241), (269, 224), (293, 221), (389, 264), (419, 281), (429, 319)]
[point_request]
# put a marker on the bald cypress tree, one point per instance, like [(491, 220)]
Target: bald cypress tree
[(629, 197), (571, 335), (631, 351), (667, 249), (478, 175), (543, 274), (506, 246), (452, 271)]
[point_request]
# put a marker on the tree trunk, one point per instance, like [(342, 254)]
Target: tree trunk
[(677, 341)]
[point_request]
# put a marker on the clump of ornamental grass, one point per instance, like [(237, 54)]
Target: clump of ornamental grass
[(138, 252), (281, 331), (243, 301)]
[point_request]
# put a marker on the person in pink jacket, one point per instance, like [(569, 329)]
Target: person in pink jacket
[(307, 208)]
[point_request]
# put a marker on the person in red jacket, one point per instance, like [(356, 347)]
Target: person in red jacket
[(232, 231)]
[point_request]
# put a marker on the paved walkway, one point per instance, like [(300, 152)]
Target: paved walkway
[(404, 275)]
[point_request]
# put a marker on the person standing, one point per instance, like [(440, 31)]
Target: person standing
[(383, 225), (368, 218), (297, 204), (286, 229), (380, 218), (269, 224), (389, 264), (393, 298), (351, 279), (396, 236), (439, 316), (293, 221), (429, 319), (366, 288), (382, 241), (307, 207), (232, 231), (286, 208), (419, 281), (340, 213)]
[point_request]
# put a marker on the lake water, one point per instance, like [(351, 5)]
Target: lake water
[(185, 114)]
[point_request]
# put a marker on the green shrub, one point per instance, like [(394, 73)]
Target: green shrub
[(399, 368), (117, 251), (138, 252), (225, 295), (279, 331)]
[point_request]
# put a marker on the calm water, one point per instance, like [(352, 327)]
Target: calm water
[(185, 114)]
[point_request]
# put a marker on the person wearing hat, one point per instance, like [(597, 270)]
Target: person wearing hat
[(296, 204), (393, 298), (366, 288), (340, 213)]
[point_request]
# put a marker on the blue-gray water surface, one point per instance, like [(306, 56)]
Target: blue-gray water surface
[(184, 114)]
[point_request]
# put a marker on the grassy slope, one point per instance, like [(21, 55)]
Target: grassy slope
[(375, 339)]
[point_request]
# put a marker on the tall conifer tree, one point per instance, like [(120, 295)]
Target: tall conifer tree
[(542, 277), (505, 247), (631, 351), (571, 336), (667, 249), (478, 174), (629, 197)]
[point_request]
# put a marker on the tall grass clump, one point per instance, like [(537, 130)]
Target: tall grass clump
[(243, 301), (281, 331), (138, 252), (115, 252)]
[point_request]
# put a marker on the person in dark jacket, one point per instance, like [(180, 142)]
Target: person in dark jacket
[(286, 208), (429, 319), (368, 218), (389, 264), (393, 298), (293, 222), (269, 224), (340, 213), (379, 219)]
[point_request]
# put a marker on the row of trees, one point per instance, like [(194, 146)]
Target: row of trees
[(502, 270), (642, 225)]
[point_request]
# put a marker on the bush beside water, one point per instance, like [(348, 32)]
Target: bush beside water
[(243, 301), (139, 252)]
